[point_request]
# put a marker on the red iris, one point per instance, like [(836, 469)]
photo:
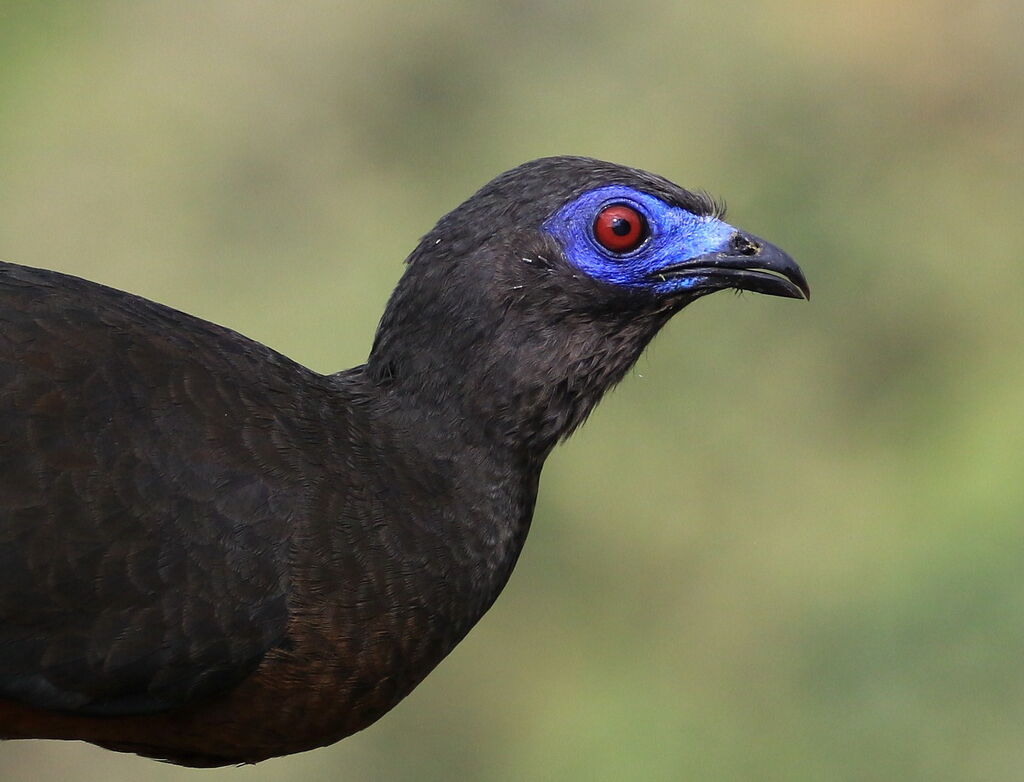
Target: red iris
[(620, 228)]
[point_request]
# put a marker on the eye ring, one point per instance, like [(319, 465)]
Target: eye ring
[(620, 228)]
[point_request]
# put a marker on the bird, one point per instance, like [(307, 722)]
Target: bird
[(212, 555)]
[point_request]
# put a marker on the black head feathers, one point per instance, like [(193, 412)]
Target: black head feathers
[(516, 294)]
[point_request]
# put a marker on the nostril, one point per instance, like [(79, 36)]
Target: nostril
[(741, 245)]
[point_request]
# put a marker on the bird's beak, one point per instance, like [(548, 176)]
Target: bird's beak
[(747, 262)]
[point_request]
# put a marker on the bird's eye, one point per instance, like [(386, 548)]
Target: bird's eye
[(620, 228)]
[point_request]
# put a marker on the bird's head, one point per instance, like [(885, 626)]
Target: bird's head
[(557, 273), (633, 234)]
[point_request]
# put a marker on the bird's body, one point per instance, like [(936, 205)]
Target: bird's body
[(200, 499), (211, 554)]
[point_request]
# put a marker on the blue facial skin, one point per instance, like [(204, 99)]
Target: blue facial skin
[(676, 235)]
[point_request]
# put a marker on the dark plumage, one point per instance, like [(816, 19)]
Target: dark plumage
[(210, 554)]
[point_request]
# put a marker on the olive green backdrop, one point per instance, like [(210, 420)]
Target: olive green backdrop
[(791, 545)]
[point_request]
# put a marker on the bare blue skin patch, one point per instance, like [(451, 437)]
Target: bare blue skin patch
[(676, 235)]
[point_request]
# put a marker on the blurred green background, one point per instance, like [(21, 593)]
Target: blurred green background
[(791, 545)]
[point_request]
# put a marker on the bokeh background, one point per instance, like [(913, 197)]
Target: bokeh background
[(791, 545)]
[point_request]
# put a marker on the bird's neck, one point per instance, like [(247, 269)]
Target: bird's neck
[(478, 392), (508, 384)]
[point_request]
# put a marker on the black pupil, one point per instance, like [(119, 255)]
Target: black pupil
[(621, 226)]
